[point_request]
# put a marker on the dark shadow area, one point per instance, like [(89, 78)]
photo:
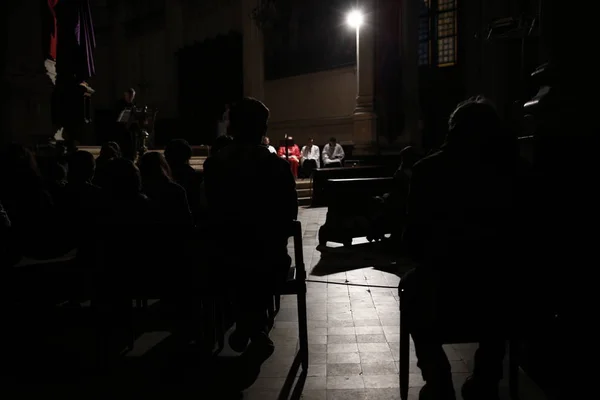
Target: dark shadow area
[(374, 254)]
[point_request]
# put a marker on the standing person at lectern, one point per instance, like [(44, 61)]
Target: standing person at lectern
[(333, 154), (124, 135)]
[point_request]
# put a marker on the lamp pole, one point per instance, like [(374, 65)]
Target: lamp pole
[(355, 20)]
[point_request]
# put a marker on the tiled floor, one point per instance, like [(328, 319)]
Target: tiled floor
[(353, 330)]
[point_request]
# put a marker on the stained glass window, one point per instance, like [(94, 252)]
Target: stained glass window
[(437, 33)]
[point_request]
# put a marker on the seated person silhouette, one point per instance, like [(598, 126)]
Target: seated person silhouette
[(462, 230), (310, 158), (391, 207), (83, 201), (290, 152), (168, 200), (178, 154), (250, 251), (109, 151), (267, 143), (333, 154)]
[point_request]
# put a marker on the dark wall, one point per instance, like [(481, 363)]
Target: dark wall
[(308, 36), (210, 76)]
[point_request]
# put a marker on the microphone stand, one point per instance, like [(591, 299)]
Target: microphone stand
[(287, 149)]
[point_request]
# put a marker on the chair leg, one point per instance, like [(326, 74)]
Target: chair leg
[(277, 303), (404, 357), (303, 327), (513, 369), (271, 314)]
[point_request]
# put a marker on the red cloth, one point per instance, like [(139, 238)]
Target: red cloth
[(294, 157), (54, 34)]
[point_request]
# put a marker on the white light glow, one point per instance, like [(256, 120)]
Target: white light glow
[(355, 19)]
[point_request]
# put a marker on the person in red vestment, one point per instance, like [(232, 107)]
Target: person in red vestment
[(292, 154)]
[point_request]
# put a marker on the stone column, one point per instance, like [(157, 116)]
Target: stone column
[(27, 89), (409, 55), (173, 42), (365, 129), (254, 76)]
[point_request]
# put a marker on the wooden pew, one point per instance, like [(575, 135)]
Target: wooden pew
[(350, 202), (322, 175)]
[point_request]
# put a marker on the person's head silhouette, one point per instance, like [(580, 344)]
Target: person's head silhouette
[(474, 123), (154, 168), (248, 121), (178, 152), (124, 178), (81, 167)]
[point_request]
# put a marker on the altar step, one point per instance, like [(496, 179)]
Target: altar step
[(303, 187)]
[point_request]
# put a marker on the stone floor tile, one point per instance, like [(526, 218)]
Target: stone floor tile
[(389, 321), (383, 368), (317, 358), (459, 367), (345, 382), (393, 337), (369, 330), (340, 316), (391, 329), (346, 394), (415, 380), (342, 348), (268, 384), (317, 339), (341, 331), (387, 394), (317, 348), (343, 358), (338, 339), (316, 370), (317, 324), (367, 322), (373, 347), (320, 394), (343, 369), (317, 331), (369, 357), (340, 322), (315, 383), (369, 338), (365, 314), (381, 381)]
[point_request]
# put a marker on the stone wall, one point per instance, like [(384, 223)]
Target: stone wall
[(317, 105)]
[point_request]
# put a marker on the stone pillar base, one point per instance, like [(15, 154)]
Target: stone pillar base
[(365, 134)]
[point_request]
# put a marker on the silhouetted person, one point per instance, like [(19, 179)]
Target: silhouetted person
[(291, 153), (463, 231), (333, 154), (109, 151), (267, 143), (310, 158), (168, 199), (124, 132), (241, 180), (28, 204), (56, 180), (392, 206), (178, 154), (82, 201), (8, 256), (220, 143)]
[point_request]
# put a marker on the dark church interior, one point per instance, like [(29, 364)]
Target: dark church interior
[(296, 199)]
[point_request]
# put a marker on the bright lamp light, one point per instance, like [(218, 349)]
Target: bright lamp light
[(355, 19)]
